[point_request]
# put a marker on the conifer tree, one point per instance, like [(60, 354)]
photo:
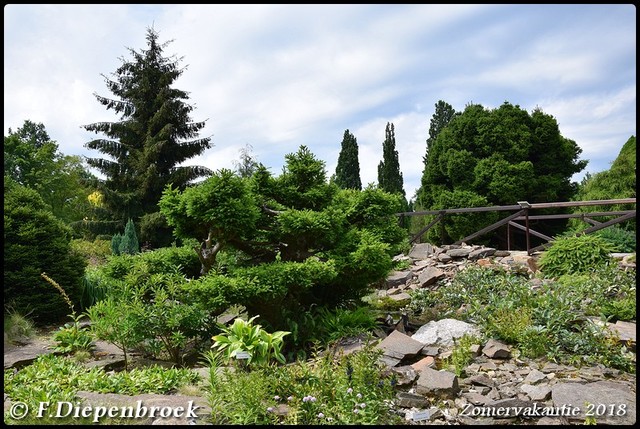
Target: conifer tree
[(154, 136), (348, 168), (129, 241), (389, 175), (441, 117)]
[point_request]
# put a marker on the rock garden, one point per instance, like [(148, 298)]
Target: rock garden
[(455, 335)]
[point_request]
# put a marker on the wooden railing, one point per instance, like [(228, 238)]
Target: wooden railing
[(523, 208)]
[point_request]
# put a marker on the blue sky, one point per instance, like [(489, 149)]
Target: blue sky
[(279, 76)]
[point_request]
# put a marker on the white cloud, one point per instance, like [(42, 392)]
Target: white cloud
[(280, 76)]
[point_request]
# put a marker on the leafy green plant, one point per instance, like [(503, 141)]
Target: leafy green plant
[(509, 324), (572, 255), (245, 336), (461, 355), (621, 239), (118, 323), (166, 319), (42, 382), (351, 389), (94, 288), (72, 337), (331, 325)]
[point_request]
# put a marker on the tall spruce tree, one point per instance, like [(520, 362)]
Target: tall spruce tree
[(154, 136), (348, 168), (389, 175)]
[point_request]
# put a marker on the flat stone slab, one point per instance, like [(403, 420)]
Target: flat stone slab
[(19, 356), (609, 402), (421, 251), (181, 408), (399, 345)]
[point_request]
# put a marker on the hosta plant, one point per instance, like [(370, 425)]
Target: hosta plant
[(245, 336)]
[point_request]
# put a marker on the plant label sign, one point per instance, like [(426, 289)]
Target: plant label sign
[(421, 415), (243, 355)]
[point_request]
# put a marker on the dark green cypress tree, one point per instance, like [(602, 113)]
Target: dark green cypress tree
[(154, 136), (129, 242), (348, 168), (389, 175)]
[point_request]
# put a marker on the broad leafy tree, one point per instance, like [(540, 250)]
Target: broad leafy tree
[(155, 135), (348, 169), (304, 239), (32, 159), (619, 181), (503, 155)]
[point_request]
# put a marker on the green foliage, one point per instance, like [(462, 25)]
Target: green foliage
[(42, 382), (245, 336), (17, 326), (118, 323), (129, 243), (348, 168), (461, 355), (95, 252), (332, 325), (152, 296), (573, 255), (346, 390), (619, 181), (389, 175), (32, 159), (154, 231), (458, 226), (621, 240), (157, 261), (95, 287), (313, 243), (155, 135), (175, 325), (551, 321), (116, 240), (72, 337), (35, 241), (504, 155)]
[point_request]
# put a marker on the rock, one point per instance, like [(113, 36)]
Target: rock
[(397, 278), (410, 400), (537, 393), (481, 253), (405, 374), (610, 402), (496, 350), (534, 377), (421, 251), (427, 362), (429, 276), (437, 383), (399, 345), (443, 332), (18, 357), (459, 253), (444, 258)]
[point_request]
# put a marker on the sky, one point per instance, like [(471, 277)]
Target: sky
[(270, 78)]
